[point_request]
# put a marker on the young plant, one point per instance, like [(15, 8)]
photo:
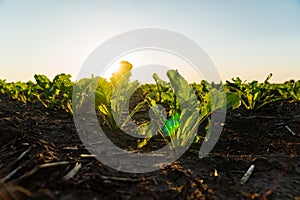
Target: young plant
[(112, 97), (186, 118), (290, 90), (120, 99), (164, 95), (81, 91), (103, 102), (202, 89), (56, 93)]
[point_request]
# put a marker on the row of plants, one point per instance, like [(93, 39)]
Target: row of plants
[(186, 105), (58, 92)]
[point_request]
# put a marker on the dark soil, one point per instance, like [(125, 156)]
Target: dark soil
[(33, 137)]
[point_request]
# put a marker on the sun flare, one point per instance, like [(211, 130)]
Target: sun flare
[(150, 60)]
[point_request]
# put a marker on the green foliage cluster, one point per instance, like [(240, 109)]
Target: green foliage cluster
[(255, 95), (56, 93)]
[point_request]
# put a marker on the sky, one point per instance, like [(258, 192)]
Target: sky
[(249, 39)]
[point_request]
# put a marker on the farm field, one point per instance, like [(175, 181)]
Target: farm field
[(40, 144), (154, 100)]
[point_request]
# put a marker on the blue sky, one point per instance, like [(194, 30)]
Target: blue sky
[(249, 39)]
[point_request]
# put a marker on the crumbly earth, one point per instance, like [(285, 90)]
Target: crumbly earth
[(39, 146)]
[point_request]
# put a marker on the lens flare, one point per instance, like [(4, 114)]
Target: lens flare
[(171, 125)]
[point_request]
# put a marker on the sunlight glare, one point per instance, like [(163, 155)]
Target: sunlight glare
[(147, 58)]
